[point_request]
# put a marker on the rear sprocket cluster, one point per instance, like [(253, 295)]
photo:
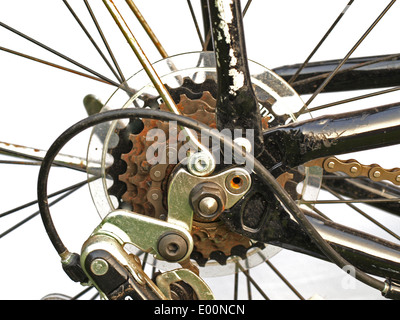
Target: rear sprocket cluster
[(142, 187)]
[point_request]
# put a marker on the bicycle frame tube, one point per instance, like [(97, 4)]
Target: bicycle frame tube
[(297, 143), (356, 74), (237, 106)]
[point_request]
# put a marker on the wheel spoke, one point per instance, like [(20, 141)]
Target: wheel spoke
[(92, 40), (317, 211), (28, 204), (59, 54), (253, 282), (249, 295), (334, 72), (236, 283), (246, 7), (19, 162), (62, 160), (349, 201), (294, 77), (101, 33), (282, 277), (364, 214), (33, 215), (365, 96), (196, 24), (53, 65), (152, 37), (144, 261)]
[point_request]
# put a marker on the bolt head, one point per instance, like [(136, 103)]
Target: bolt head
[(201, 164), (99, 267), (172, 247), (208, 201)]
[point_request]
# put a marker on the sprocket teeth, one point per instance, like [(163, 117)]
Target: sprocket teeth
[(146, 193)]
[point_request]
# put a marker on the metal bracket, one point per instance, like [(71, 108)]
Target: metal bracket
[(180, 211), (201, 289), (169, 240)]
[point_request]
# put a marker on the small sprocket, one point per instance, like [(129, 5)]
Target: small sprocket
[(142, 187)]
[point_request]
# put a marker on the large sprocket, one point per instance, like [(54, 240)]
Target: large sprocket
[(142, 187)]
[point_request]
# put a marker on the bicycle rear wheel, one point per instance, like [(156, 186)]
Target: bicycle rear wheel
[(50, 89)]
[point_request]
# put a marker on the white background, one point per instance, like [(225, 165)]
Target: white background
[(38, 102)]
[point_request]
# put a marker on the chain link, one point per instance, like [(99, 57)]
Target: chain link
[(355, 169)]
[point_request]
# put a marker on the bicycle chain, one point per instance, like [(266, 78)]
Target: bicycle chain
[(353, 169)]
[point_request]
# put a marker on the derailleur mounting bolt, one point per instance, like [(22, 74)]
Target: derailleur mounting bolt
[(172, 246)]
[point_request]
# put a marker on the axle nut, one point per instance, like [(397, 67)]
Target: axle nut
[(208, 201)]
